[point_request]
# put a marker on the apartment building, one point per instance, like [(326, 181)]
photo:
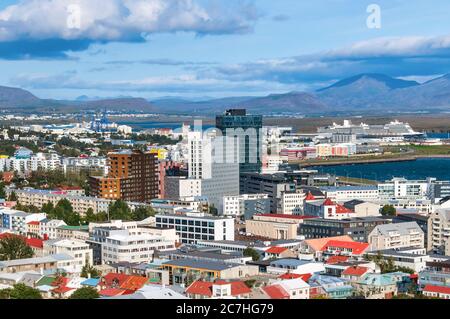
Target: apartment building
[(347, 193), (197, 226), (246, 205), (291, 203), (139, 248), (271, 184), (80, 204), (357, 228), (48, 228), (132, 176), (398, 235), (79, 250), (401, 188), (439, 232)]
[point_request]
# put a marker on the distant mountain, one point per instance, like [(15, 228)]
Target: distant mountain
[(15, 97), (361, 79), (293, 102), (381, 92), (364, 93)]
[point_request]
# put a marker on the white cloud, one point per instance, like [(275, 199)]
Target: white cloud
[(117, 19)]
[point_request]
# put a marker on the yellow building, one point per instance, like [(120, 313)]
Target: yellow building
[(161, 153)]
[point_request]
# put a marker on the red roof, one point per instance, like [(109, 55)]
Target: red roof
[(34, 222), (276, 250), (438, 289), (356, 247), (109, 292), (276, 292), (200, 288), (328, 202), (35, 242), (205, 288), (310, 196), (304, 277), (113, 279), (336, 259), (286, 216), (342, 210), (355, 271), (134, 282), (32, 242)]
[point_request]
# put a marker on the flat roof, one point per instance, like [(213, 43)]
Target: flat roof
[(201, 264)]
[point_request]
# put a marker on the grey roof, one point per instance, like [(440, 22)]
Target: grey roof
[(218, 266), (204, 255), (402, 228), (351, 204), (348, 188), (35, 261), (289, 262), (30, 279)]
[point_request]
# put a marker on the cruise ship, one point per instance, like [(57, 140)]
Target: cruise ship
[(394, 128)]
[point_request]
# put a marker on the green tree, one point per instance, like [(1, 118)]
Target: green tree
[(119, 210), (91, 271), (12, 197), (48, 208), (2, 191), (85, 293), (14, 247), (22, 291), (388, 210), (250, 252), (213, 210), (142, 213)]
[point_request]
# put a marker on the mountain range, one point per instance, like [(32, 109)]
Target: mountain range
[(364, 93)]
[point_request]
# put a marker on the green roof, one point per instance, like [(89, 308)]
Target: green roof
[(67, 227), (45, 281)]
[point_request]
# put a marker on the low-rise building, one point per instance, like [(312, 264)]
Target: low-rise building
[(197, 226), (275, 226), (399, 235), (79, 250)]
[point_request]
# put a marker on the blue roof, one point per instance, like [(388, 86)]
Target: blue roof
[(289, 262), (91, 282)]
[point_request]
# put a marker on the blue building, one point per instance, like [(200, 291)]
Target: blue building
[(250, 147)]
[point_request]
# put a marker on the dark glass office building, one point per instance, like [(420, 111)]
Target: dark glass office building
[(250, 147)]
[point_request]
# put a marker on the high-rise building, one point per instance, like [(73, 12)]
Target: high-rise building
[(132, 176), (248, 128), (212, 171)]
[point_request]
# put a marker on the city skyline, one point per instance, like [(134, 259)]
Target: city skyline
[(198, 49)]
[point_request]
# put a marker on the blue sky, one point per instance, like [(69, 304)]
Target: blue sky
[(215, 48)]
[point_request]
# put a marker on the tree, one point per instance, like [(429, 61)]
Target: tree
[(119, 210), (22, 291), (213, 210), (142, 213), (90, 271), (12, 197), (2, 191), (14, 247), (250, 252), (388, 210), (48, 208), (85, 293)]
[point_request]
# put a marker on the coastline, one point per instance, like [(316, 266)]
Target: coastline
[(369, 161)]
